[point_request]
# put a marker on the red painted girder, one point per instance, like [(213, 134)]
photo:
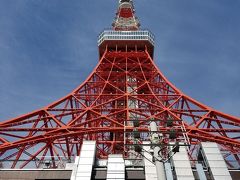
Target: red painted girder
[(67, 133)]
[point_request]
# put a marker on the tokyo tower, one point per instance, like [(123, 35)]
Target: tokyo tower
[(124, 104)]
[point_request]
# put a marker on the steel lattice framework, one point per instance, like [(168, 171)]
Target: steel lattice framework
[(100, 109)]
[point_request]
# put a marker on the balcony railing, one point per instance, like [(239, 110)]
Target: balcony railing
[(111, 35)]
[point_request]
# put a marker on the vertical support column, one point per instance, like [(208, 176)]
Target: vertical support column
[(131, 104), (150, 168), (159, 165), (131, 85), (85, 161), (200, 171), (75, 166), (182, 165), (168, 170), (115, 167), (215, 161)]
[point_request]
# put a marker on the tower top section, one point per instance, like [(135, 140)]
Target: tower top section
[(125, 17), (126, 36)]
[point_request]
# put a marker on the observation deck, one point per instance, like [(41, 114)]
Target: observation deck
[(126, 41)]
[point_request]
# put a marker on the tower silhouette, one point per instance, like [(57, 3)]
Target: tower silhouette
[(115, 105)]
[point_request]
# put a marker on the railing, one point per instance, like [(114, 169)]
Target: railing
[(126, 35), (61, 164), (234, 164), (39, 163)]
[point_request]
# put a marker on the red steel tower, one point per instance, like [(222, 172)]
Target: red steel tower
[(115, 105)]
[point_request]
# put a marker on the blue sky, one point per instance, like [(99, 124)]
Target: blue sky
[(48, 47)]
